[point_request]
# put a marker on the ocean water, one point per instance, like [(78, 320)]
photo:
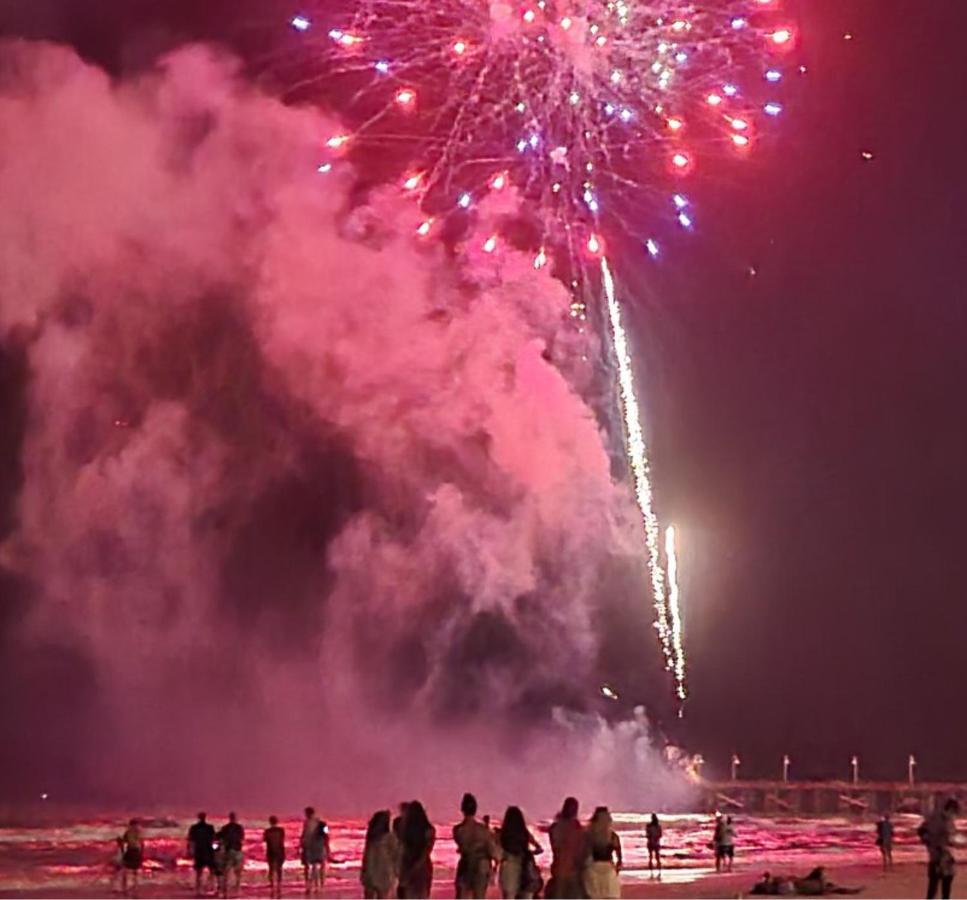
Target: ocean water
[(70, 856)]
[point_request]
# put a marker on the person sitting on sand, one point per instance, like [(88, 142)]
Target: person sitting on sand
[(815, 884), (773, 886)]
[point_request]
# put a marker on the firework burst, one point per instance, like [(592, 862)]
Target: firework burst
[(596, 111)]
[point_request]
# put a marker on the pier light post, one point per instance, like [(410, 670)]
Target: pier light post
[(911, 766), (785, 768), (855, 763), (698, 761), (736, 762)]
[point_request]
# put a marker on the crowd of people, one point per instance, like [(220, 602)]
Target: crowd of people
[(397, 856), (586, 858)]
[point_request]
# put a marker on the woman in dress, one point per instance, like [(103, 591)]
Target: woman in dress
[(416, 865), (604, 851), (380, 857), (520, 877)]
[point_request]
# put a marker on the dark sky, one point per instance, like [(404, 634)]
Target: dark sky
[(807, 423)]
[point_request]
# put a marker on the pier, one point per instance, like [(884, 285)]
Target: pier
[(804, 798)]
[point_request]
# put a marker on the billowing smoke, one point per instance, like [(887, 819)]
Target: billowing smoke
[(295, 506)]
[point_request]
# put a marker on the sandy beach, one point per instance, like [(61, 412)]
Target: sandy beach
[(906, 880), (68, 854)]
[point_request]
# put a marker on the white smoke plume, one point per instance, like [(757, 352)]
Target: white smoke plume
[(307, 508)]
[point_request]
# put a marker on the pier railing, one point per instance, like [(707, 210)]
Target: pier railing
[(827, 797)]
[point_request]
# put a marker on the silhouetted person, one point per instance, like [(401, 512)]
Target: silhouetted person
[(569, 853), (884, 840), (314, 845), (520, 877), (381, 854), (476, 849), (132, 842), (416, 864), (717, 843), (727, 843), (398, 833), (274, 838), (231, 838), (653, 834), (938, 831), (201, 849), (604, 850)]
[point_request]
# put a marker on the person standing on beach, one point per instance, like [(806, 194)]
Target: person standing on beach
[(314, 846), (938, 832), (716, 844), (884, 840), (380, 857), (653, 835), (477, 852), (132, 857), (520, 877), (274, 838), (398, 833), (727, 843), (416, 863), (231, 838), (604, 849), (569, 853), (201, 849)]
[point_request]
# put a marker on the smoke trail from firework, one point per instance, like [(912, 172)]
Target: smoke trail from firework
[(674, 609)]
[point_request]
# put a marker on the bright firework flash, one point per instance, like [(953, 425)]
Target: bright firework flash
[(677, 636), (638, 458), (595, 111)]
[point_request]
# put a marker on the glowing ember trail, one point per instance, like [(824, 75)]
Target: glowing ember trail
[(638, 458), (674, 610)]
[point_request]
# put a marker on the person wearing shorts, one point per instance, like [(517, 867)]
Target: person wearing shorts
[(274, 837), (231, 840), (132, 857), (201, 849)]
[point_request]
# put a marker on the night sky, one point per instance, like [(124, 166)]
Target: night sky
[(807, 422)]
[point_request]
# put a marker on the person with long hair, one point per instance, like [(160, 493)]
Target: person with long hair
[(520, 877), (569, 853), (380, 857), (416, 864), (604, 851)]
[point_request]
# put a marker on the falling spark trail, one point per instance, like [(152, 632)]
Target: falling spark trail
[(637, 451), (674, 609)]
